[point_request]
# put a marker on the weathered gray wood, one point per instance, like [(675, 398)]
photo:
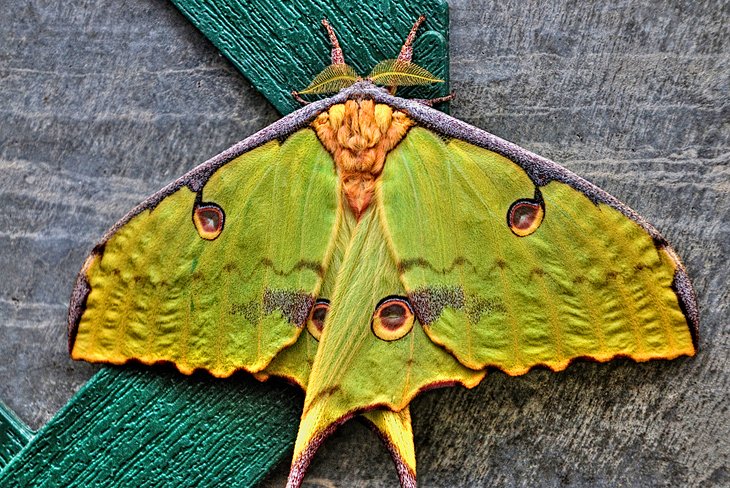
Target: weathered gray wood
[(104, 102)]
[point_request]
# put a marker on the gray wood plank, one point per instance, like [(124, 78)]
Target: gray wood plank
[(103, 103)]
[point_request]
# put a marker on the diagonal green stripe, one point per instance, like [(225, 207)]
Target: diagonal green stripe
[(14, 435), (280, 46), (132, 426)]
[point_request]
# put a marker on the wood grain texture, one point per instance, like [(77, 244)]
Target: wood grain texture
[(104, 103), (14, 435), (127, 427), (286, 49)]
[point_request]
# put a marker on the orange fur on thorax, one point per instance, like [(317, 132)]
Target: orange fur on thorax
[(359, 134)]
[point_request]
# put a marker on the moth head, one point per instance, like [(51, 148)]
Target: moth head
[(390, 73)]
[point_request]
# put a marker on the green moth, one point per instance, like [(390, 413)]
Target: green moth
[(367, 247)]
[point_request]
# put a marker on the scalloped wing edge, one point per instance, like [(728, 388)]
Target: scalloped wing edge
[(540, 170), (194, 179)]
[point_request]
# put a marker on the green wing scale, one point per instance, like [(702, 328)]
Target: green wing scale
[(465, 253), (354, 370), (161, 290), (586, 282)]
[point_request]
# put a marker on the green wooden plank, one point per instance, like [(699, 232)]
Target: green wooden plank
[(280, 46), (131, 426), (14, 435)]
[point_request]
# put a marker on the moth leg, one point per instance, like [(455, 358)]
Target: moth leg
[(430, 102), (299, 99)]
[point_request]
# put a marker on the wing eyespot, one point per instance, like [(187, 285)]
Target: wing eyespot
[(525, 216), (315, 322), (208, 219), (393, 318)]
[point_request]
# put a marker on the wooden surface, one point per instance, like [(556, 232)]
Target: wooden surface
[(128, 427), (278, 44), (14, 435), (104, 103), (141, 427)]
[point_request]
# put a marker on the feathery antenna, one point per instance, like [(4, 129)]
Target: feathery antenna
[(391, 72)]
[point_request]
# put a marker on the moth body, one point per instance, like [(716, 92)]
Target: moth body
[(367, 248), (359, 134)]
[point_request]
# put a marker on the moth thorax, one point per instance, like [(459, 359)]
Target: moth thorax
[(359, 134)]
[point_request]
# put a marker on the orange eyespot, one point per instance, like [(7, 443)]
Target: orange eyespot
[(525, 216), (208, 219), (393, 318), (315, 323)]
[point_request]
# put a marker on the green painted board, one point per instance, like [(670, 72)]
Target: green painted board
[(131, 426), (280, 46), (134, 427), (14, 435)]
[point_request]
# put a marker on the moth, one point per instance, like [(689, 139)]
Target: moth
[(368, 247)]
